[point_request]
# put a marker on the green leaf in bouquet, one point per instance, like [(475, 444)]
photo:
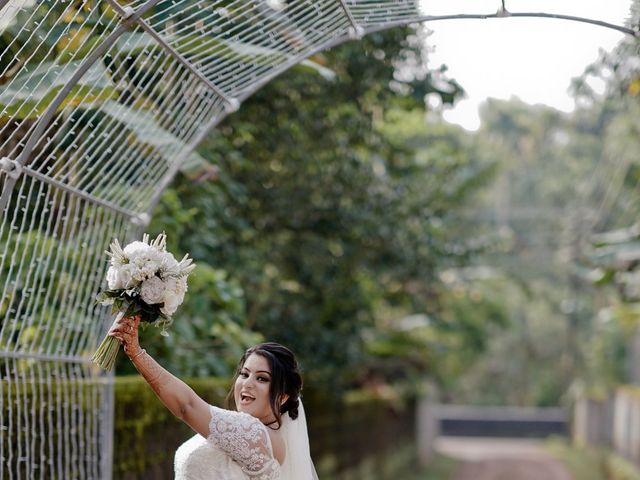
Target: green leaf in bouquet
[(102, 297), (118, 304), (132, 309), (106, 294)]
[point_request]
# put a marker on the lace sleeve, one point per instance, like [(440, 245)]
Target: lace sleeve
[(246, 440)]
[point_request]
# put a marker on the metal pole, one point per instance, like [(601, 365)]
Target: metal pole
[(356, 30), (232, 103)]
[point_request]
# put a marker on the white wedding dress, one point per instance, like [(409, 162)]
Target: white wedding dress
[(238, 447)]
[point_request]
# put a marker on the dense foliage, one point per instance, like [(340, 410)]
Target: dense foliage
[(385, 246), (334, 206)]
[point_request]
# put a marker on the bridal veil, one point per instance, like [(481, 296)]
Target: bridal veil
[(297, 463)]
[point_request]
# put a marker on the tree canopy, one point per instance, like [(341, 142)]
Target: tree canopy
[(339, 216), (334, 206)]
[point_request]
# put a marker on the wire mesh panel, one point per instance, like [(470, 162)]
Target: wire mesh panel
[(101, 103), (374, 12), (55, 408), (51, 267), (53, 420), (240, 43)]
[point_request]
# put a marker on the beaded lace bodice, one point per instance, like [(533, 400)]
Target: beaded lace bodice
[(238, 447)]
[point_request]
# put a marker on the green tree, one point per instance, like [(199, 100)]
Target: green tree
[(331, 199)]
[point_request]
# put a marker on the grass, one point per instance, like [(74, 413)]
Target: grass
[(401, 465), (586, 463), (440, 468)]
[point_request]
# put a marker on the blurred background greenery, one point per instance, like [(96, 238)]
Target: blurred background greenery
[(391, 250)]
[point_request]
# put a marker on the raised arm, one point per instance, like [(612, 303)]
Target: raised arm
[(178, 397)]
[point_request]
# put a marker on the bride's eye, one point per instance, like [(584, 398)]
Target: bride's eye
[(243, 374), (263, 379)]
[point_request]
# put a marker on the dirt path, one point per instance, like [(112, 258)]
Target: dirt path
[(502, 459)]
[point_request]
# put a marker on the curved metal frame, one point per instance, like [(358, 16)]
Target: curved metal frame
[(131, 17), (41, 124), (357, 32), (506, 14)]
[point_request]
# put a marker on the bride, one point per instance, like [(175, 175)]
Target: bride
[(265, 439)]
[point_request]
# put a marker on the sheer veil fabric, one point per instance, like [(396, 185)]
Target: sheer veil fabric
[(297, 463)]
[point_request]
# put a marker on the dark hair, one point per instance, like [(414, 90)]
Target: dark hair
[(285, 379)]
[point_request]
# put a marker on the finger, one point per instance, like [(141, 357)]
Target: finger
[(119, 333), (117, 337), (120, 326)]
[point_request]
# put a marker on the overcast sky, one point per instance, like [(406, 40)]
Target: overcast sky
[(533, 59)]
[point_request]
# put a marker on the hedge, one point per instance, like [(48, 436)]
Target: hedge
[(359, 436), (355, 437)]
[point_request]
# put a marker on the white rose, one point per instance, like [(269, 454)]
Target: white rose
[(152, 291), (171, 304), (120, 277), (173, 295), (112, 278)]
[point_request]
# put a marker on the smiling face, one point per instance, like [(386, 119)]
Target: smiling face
[(251, 390)]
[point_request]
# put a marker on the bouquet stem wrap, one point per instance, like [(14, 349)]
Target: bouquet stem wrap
[(107, 351)]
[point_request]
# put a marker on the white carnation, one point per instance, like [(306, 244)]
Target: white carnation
[(146, 262), (135, 247), (152, 290)]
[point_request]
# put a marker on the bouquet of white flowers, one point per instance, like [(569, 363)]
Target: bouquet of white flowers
[(144, 279)]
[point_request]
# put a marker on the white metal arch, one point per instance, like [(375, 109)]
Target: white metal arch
[(101, 103)]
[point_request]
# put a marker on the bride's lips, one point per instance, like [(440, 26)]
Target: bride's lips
[(246, 399)]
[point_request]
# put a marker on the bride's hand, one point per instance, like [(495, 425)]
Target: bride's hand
[(125, 329)]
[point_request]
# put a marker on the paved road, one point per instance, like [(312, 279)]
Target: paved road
[(501, 459)]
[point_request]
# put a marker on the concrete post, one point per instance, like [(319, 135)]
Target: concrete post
[(427, 430)]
